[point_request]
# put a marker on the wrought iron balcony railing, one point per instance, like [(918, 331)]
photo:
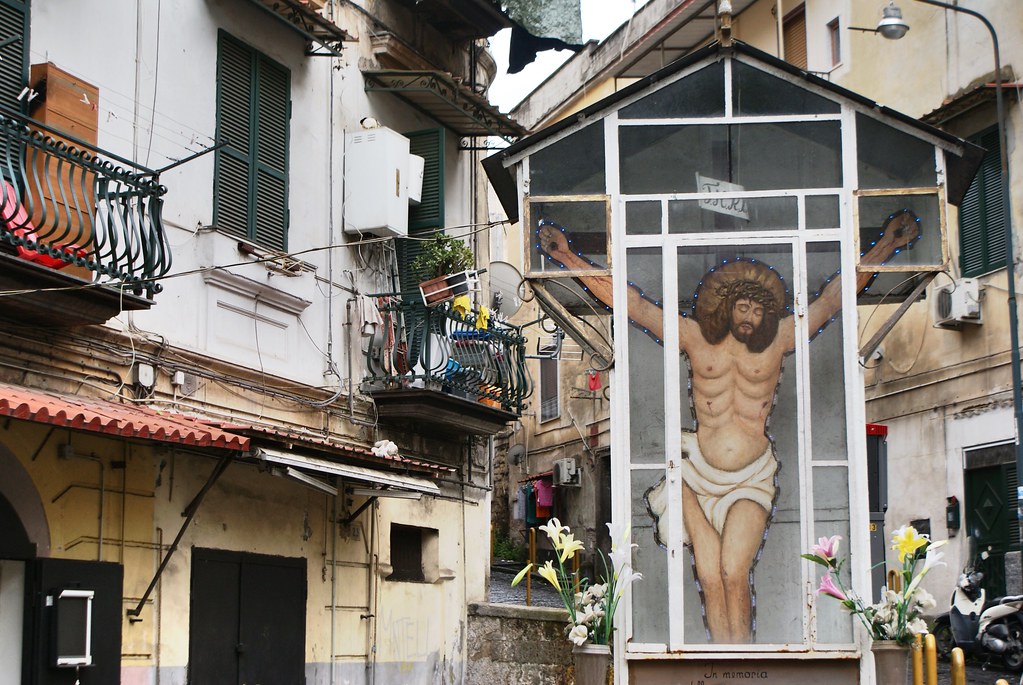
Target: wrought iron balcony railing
[(436, 348), (63, 205)]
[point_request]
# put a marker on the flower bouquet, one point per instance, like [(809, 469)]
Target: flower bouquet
[(897, 616), (591, 608)]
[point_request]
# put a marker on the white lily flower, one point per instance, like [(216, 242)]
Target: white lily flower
[(579, 635)]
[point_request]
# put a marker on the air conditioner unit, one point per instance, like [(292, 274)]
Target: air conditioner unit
[(566, 472), (957, 303)]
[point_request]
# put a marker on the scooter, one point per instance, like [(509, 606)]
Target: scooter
[(979, 627)]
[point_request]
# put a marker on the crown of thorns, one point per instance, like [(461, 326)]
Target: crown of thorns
[(742, 278), (748, 290)]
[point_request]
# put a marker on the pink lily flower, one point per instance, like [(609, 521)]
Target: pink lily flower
[(827, 548), (828, 587)]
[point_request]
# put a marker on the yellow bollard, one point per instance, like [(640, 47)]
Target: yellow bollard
[(958, 667), (1001, 681), (931, 660), (918, 659)]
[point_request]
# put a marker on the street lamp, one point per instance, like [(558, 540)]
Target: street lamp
[(893, 27)]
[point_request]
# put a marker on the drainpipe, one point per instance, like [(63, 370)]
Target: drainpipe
[(333, 584)]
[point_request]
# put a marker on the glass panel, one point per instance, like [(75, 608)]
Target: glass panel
[(827, 400), (900, 230), (568, 235), (643, 218), (752, 156), (787, 155), (749, 214), (759, 93), (666, 159), (734, 434), (888, 158), (571, 166), (700, 94), (650, 595), (831, 517), (646, 366), (822, 211)]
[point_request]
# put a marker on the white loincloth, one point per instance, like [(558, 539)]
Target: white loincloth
[(716, 489)]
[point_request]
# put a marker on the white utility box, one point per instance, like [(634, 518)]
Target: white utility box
[(377, 182)]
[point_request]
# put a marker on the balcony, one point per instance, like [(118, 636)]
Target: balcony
[(80, 237), (436, 366)]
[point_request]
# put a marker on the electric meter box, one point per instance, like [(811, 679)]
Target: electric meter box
[(377, 182)]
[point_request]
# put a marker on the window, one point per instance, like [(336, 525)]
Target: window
[(428, 216), (794, 36), (549, 401), (13, 53), (250, 182), (981, 219), (835, 40), (414, 554)]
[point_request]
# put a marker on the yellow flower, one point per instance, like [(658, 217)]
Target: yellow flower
[(521, 574), (907, 541), (548, 573), (569, 546)]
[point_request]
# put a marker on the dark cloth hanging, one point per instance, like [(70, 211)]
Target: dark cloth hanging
[(531, 519), (542, 25), (524, 46)]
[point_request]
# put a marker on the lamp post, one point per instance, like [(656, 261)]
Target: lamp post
[(893, 27)]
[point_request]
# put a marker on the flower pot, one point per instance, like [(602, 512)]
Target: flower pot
[(443, 288), (891, 662), (591, 663)]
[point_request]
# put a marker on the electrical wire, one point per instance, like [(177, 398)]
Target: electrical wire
[(258, 260)]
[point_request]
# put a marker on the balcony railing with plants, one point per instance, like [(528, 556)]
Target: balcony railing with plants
[(438, 348), (62, 205)]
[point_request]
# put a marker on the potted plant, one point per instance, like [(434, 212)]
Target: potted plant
[(591, 606), (893, 622), (445, 261)]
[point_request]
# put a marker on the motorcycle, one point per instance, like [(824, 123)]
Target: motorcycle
[(980, 627)]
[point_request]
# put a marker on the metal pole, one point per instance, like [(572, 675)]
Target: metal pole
[(1010, 256)]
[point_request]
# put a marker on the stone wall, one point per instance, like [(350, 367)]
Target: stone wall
[(517, 645)]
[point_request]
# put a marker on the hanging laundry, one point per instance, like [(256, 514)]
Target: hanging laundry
[(460, 305), (593, 380), (531, 519), (370, 315), (519, 510), (483, 318), (544, 493)]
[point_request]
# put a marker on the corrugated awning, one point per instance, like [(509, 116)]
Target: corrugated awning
[(385, 479), (453, 104), (308, 23), (113, 418)]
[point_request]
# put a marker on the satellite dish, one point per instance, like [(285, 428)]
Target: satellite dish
[(505, 280), (515, 454)]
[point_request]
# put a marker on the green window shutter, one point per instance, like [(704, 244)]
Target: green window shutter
[(981, 219), (428, 216), (13, 55), (250, 189)]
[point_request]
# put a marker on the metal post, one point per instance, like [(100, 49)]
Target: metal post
[(1010, 256)]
